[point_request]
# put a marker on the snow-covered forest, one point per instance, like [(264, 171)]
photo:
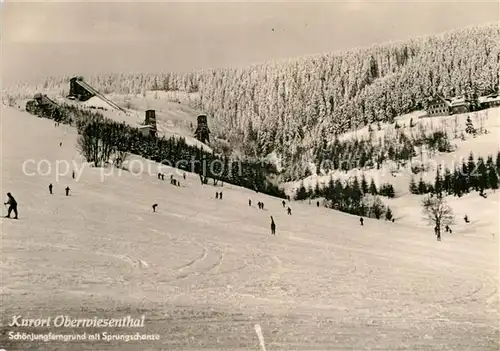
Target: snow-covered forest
[(288, 106)]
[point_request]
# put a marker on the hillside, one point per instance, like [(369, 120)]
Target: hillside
[(285, 106), (174, 117), (204, 272), (407, 206)]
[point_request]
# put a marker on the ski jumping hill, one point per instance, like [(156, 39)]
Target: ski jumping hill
[(174, 115), (173, 119), (205, 271)]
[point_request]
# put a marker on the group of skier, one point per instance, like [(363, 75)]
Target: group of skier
[(67, 189), (273, 224), (12, 203), (173, 181)]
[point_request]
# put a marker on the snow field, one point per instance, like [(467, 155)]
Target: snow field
[(206, 271)]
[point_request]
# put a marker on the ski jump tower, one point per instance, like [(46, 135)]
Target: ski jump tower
[(202, 133), (82, 91), (150, 121)]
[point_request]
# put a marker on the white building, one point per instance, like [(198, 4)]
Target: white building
[(146, 130)]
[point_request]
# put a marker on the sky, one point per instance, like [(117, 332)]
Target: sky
[(48, 38)]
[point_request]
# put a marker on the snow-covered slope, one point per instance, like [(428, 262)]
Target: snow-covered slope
[(174, 117), (204, 272), (407, 208)]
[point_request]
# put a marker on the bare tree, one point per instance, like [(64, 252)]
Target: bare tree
[(438, 213), (482, 118), (11, 101), (88, 145), (95, 145)]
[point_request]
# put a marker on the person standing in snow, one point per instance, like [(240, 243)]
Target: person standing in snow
[(249, 202), (317, 203), (361, 220), (283, 203), (273, 226), (12, 205), (216, 194), (184, 175), (154, 207), (289, 211), (73, 175), (67, 190), (50, 188), (220, 195)]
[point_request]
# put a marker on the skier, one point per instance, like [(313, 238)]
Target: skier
[(466, 219), (273, 226), (67, 190), (12, 205), (220, 195), (289, 211), (184, 175), (249, 202), (154, 207), (361, 220), (258, 205), (317, 203), (60, 144), (162, 176), (50, 188), (216, 194), (283, 203), (73, 175), (262, 204), (158, 175)]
